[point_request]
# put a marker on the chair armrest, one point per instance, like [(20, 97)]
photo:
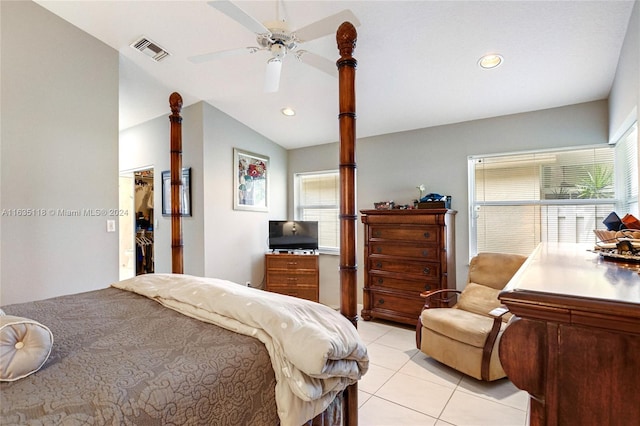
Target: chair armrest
[(497, 314), (442, 300)]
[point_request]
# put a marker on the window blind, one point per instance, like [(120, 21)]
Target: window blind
[(627, 171), (520, 200), (317, 198)]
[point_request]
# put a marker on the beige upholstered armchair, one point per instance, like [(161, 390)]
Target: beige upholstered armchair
[(466, 336)]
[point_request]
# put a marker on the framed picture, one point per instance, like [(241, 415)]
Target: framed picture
[(186, 193), (250, 181)]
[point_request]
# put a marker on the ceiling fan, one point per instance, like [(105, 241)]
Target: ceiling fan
[(276, 38)]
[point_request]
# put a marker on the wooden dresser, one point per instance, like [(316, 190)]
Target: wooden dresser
[(405, 253), (575, 342), (293, 274)]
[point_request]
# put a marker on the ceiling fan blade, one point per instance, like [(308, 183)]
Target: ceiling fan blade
[(272, 76), (321, 63), (243, 18), (198, 59), (326, 26)]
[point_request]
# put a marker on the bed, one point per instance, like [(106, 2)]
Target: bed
[(176, 349)]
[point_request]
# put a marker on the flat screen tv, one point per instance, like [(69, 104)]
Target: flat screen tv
[(293, 235)]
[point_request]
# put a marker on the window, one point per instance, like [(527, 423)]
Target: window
[(627, 171), (317, 197), (520, 200)]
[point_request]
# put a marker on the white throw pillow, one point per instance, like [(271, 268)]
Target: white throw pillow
[(25, 345)]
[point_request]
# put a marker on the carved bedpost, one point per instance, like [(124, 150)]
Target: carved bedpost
[(175, 102), (346, 38)]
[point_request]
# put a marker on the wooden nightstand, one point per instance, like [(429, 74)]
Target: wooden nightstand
[(293, 274)]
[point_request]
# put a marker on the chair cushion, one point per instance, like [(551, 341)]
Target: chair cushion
[(480, 299), (494, 269), (464, 358), (463, 326)]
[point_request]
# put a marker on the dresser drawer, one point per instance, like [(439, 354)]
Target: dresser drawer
[(404, 233), (303, 292), (383, 281), (292, 278), (426, 270), (406, 253), (409, 307), (292, 262), (426, 252)]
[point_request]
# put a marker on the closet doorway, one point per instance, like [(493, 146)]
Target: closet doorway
[(136, 230)]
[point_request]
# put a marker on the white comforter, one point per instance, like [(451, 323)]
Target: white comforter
[(315, 351)]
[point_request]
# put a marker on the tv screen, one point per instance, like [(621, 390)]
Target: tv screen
[(293, 235)]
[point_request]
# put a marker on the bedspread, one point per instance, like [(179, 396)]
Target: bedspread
[(119, 358), (315, 351)]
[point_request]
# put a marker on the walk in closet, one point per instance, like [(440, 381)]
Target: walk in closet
[(144, 219)]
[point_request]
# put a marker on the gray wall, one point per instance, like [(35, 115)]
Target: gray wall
[(236, 240), (625, 93), (391, 166), (218, 241), (59, 149), (148, 146), (59, 136)]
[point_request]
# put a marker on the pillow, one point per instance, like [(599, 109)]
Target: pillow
[(480, 299), (25, 345)]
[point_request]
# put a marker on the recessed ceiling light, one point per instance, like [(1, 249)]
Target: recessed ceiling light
[(490, 61), (288, 111)]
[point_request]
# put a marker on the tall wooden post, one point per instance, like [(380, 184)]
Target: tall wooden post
[(175, 102), (346, 38)]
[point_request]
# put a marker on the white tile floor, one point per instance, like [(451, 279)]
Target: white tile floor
[(405, 387)]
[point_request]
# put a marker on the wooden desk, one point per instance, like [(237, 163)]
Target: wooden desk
[(575, 344)]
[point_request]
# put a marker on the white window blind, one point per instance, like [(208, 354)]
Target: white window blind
[(627, 171), (317, 198), (520, 200)]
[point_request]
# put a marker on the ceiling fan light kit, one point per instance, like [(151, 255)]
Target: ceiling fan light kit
[(275, 37), (272, 76)]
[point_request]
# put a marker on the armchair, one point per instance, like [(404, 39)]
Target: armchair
[(466, 335)]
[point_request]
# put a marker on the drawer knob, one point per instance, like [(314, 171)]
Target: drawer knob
[(426, 235), (378, 264), (379, 249), (380, 280), (377, 233), (427, 287), (380, 301), (426, 271), (425, 253)]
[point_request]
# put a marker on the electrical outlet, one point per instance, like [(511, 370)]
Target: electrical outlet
[(111, 225)]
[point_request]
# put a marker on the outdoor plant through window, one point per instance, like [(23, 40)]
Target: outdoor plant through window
[(520, 200)]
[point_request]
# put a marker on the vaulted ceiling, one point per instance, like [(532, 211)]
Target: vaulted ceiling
[(417, 60)]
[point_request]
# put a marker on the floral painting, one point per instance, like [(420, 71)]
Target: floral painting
[(250, 180)]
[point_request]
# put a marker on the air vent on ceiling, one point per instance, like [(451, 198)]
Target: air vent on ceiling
[(150, 48)]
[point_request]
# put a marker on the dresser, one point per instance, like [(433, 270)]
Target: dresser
[(574, 344), (405, 253), (293, 274)]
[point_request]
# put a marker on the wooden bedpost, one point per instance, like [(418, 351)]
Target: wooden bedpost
[(175, 102), (346, 38)]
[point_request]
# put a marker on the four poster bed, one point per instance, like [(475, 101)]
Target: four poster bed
[(144, 351)]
